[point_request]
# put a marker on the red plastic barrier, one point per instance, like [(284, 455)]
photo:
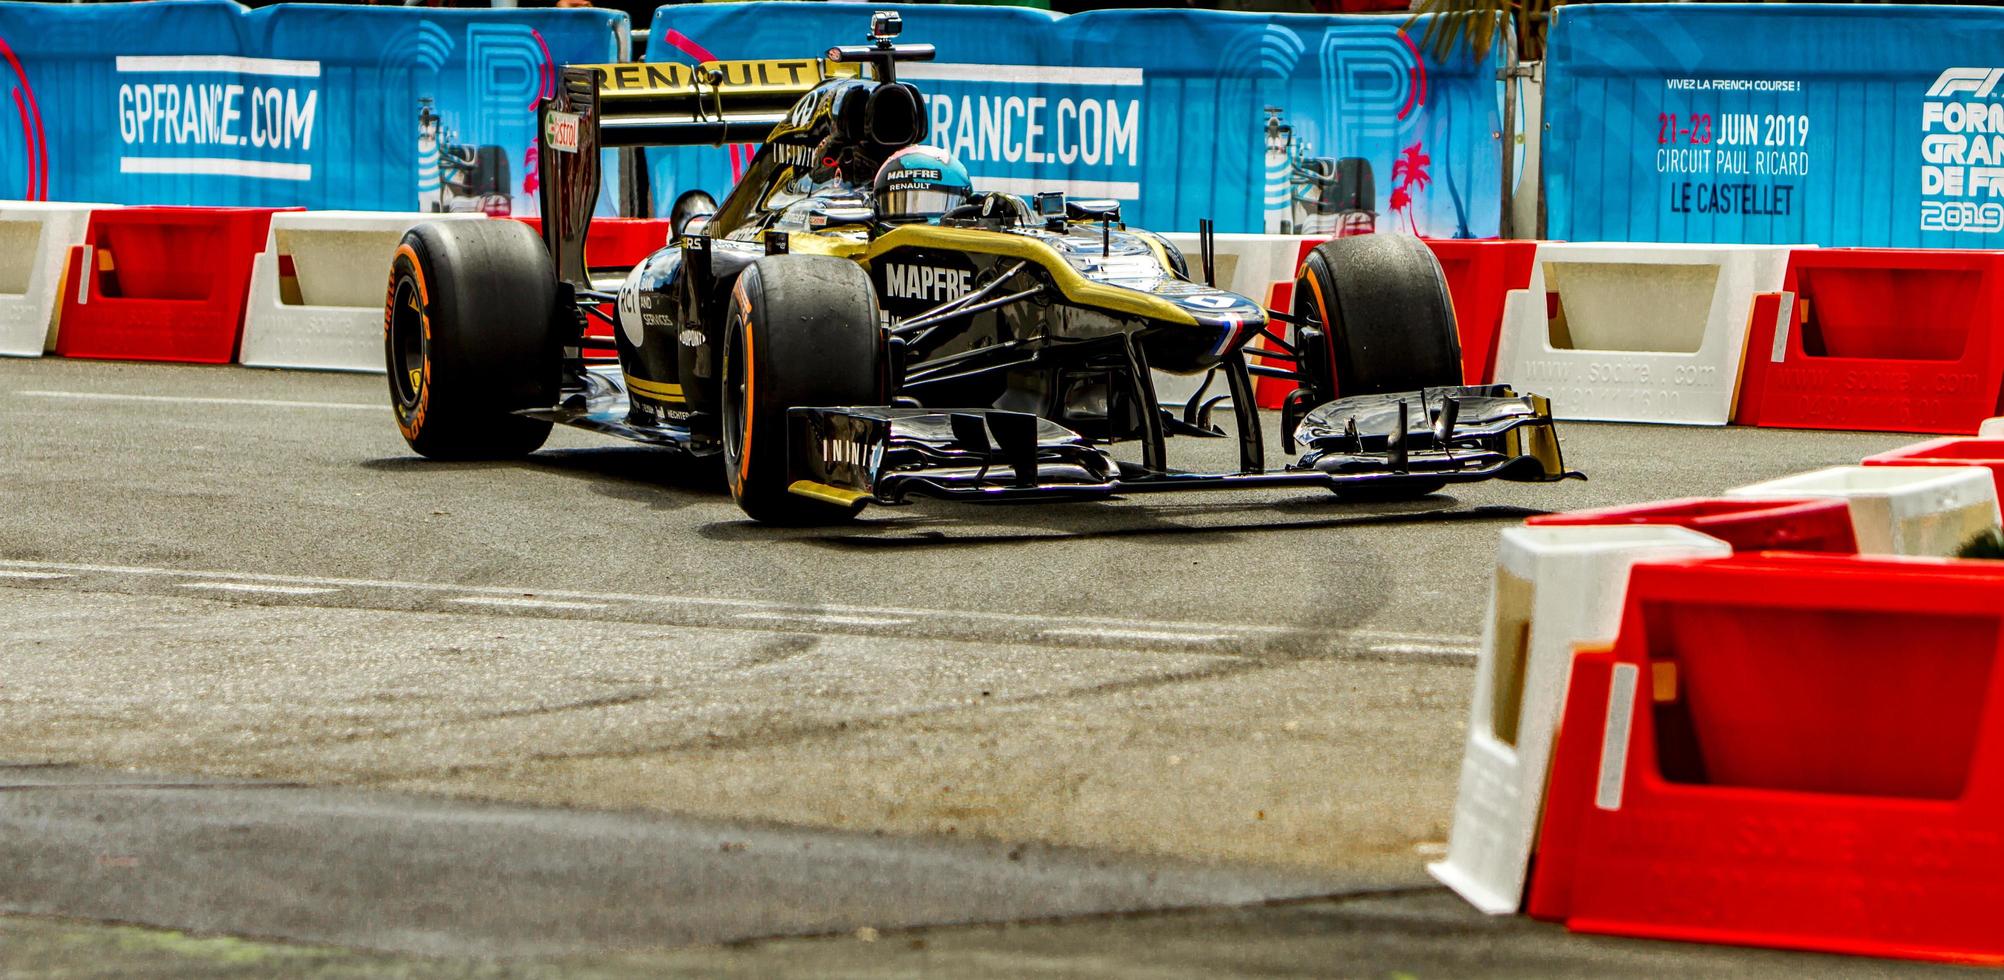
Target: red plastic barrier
[(1893, 340), (1810, 524), (1792, 750), (1949, 452), (1480, 273), (160, 284), (617, 243), (1271, 393)]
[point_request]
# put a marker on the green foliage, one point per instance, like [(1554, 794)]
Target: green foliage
[(1988, 544), (1478, 23)]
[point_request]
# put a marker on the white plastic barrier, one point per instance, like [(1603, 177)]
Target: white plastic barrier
[(1555, 587), (1644, 333), (1991, 428), (1899, 510), (35, 242), (333, 320)]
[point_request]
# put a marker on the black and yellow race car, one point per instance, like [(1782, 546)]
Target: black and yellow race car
[(850, 326)]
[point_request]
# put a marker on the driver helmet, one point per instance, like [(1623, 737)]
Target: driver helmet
[(919, 183)]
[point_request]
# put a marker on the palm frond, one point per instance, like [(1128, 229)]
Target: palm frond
[(1478, 23)]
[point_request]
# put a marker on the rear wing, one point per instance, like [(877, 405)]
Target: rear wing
[(640, 104), (714, 102)]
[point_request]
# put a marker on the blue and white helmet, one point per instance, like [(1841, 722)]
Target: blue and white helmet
[(919, 183)]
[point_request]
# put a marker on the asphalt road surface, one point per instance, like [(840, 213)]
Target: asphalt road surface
[(277, 696)]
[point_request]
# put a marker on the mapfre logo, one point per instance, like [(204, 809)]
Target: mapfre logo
[(925, 282), (1979, 82)]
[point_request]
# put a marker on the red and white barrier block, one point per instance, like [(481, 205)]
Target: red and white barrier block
[(1624, 332), (160, 284), (316, 290), (1898, 340), (35, 242), (1791, 750), (1555, 587), (1777, 524), (1952, 451), (1899, 510)]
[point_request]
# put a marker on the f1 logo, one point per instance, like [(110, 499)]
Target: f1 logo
[(1976, 81)]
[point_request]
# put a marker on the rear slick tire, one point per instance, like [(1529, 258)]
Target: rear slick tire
[(802, 330), (469, 338)]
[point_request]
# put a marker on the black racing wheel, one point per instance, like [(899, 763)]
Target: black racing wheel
[(802, 330), (1387, 322), (1381, 305), (469, 337)]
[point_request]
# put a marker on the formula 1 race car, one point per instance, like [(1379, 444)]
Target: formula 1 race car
[(853, 324)]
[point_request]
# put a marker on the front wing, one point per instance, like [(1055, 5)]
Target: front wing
[(1414, 439)]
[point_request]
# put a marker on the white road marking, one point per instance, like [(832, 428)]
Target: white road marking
[(1029, 622), (257, 588), (1425, 649), (32, 576), (518, 602), (1394, 636), (113, 396), (825, 619), (1119, 634)]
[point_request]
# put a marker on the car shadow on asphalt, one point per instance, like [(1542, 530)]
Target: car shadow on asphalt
[(930, 524), (639, 466), (872, 538), (666, 480), (660, 478)]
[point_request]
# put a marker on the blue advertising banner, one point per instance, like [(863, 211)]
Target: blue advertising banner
[(1275, 123), (321, 106), (1772, 123)]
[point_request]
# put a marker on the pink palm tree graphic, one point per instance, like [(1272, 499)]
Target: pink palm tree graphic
[(1409, 172)]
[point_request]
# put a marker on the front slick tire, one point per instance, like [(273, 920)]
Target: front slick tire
[(468, 339), (1389, 322), (1384, 307), (802, 330)]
